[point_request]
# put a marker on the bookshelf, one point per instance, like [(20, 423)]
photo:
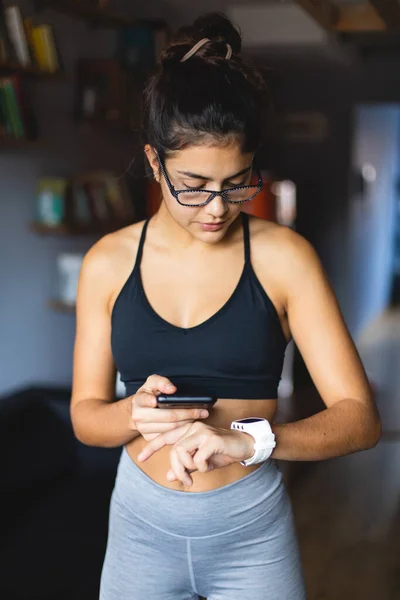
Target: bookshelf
[(7, 143), (96, 15), (7, 68), (39, 65), (28, 50)]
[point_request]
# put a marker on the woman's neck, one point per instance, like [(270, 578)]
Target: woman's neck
[(173, 235)]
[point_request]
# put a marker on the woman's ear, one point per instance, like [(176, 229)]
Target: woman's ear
[(153, 162)]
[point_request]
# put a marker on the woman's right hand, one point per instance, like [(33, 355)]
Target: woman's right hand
[(149, 420)]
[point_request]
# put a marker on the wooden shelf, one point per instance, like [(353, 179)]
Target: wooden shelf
[(10, 142), (61, 306), (7, 68), (96, 15), (43, 229), (65, 230)]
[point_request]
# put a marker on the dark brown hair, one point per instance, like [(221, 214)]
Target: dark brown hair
[(208, 97)]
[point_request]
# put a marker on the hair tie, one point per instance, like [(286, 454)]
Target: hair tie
[(200, 44)]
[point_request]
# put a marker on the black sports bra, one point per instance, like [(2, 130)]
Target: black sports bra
[(236, 353)]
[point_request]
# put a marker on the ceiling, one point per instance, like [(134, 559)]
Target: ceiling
[(288, 22), (338, 15)]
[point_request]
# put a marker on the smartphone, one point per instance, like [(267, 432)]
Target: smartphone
[(185, 401)]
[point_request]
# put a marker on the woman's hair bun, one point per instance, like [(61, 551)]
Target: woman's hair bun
[(205, 91), (215, 26)]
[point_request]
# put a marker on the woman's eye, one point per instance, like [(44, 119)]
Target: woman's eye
[(238, 184), (193, 187)]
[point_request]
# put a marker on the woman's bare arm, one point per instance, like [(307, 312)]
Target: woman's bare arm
[(351, 421), (97, 419)]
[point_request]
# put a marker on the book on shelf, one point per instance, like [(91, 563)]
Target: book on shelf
[(139, 46), (25, 43), (79, 211), (98, 198), (16, 32), (91, 202), (100, 90), (29, 40), (96, 195), (44, 47), (119, 198), (51, 201), (7, 50), (16, 118)]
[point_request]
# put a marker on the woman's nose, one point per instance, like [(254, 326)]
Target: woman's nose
[(217, 207)]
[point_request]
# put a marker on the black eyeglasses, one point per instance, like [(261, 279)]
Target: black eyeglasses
[(195, 197)]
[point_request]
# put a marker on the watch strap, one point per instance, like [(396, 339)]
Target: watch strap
[(264, 439)]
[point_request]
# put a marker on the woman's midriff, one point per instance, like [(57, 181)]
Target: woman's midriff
[(221, 415)]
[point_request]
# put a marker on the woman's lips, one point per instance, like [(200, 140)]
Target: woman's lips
[(212, 226)]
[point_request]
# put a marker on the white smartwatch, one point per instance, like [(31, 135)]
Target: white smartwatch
[(264, 438)]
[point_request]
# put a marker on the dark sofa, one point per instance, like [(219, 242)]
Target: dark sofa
[(55, 496)]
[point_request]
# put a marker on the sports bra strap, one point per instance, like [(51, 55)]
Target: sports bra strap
[(246, 237), (141, 244)]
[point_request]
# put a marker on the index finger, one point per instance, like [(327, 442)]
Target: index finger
[(163, 439), (156, 384), (151, 447)]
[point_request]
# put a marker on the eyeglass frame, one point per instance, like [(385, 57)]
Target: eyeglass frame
[(213, 194)]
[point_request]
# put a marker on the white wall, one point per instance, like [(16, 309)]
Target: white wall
[(371, 218), (276, 24)]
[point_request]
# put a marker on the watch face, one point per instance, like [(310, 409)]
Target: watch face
[(251, 420)]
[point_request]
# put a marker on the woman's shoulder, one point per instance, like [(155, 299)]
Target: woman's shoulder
[(280, 248), (113, 253), (280, 238)]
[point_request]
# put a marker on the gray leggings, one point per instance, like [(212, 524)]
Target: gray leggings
[(236, 542)]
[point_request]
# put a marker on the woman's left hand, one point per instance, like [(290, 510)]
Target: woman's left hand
[(200, 447)]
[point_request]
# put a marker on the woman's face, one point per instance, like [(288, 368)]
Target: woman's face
[(206, 167)]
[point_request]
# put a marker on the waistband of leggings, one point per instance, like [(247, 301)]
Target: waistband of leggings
[(215, 512)]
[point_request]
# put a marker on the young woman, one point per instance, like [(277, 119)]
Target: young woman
[(202, 299)]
